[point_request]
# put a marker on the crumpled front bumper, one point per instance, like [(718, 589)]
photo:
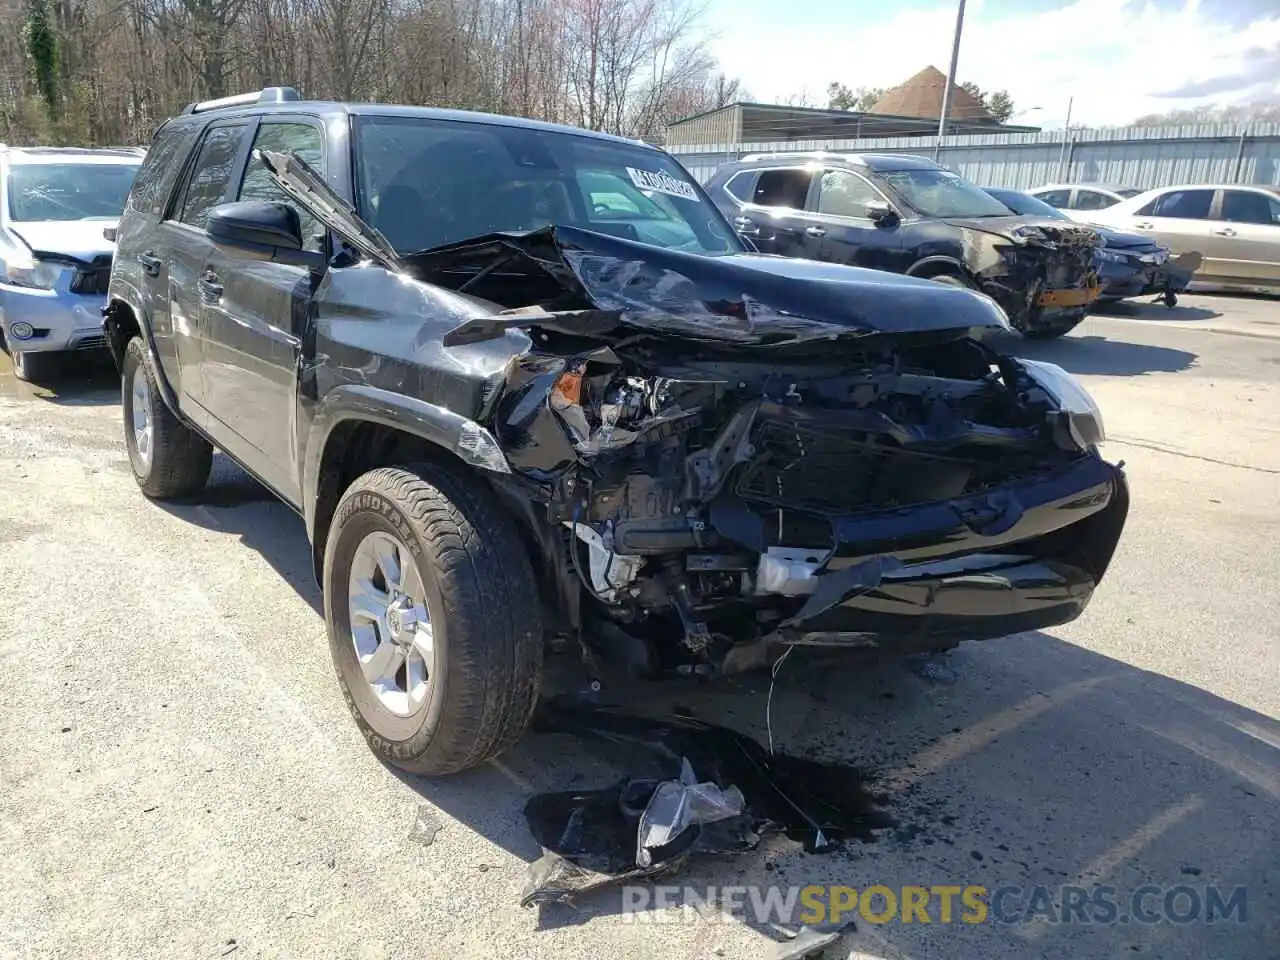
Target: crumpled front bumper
[(59, 319), (1135, 279), (1025, 556)]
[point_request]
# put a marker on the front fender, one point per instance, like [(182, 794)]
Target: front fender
[(460, 436), (119, 331)]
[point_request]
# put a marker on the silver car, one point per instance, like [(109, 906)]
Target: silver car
[(1070, 197), (55, 260), (1236, 227)]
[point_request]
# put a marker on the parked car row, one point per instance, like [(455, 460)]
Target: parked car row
[(1234, 228), (907, 214)]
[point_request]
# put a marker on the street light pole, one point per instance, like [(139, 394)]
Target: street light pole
[(951, 76)]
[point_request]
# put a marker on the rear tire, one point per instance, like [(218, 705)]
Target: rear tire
[(36, 367), (169, 459), (457, 568)]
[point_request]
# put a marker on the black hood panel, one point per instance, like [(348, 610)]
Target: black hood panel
[(597, 282)]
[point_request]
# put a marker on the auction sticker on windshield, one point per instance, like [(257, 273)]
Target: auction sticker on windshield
[(661, 182)]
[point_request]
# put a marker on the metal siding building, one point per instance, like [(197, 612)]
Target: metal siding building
[(1142, 157)]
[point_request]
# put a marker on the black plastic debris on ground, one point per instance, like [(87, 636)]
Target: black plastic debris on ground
[(720, 792)]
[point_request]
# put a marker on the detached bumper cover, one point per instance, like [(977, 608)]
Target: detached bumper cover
[(1025, 556)]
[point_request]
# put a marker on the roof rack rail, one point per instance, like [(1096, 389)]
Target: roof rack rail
[(794, 153), (266, 95)]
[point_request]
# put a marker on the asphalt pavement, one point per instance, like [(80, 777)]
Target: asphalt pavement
[(180, 778)]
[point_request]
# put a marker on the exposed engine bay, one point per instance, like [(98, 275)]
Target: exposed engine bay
[(708, 506), (1043, 281)]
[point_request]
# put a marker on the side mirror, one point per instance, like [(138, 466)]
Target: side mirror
[(879, 212), (270, 230)]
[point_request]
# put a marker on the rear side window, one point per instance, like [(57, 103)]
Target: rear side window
[(1184, 204), (164, 159), (1248, 206), (211, 174), (783, 188), (1055, 198), (742, 184), (1093, 200), (308, 143)]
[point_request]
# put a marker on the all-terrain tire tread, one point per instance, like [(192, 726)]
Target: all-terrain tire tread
[(493, 633)]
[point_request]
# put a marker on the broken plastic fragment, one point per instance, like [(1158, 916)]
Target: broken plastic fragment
[(675, 809)]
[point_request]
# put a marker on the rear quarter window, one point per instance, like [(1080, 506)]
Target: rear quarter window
[(165, 156), (741, 185)]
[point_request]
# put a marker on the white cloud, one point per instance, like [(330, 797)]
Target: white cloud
[(1118, 61)]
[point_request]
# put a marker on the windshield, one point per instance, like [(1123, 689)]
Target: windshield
[(1028, 205), (425, 183), (940, 193), (69, 191)]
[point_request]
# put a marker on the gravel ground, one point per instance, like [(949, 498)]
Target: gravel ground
[(181, 779)]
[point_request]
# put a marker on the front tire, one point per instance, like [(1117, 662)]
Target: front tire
[(169, 459), (1036, 329), (36, 367), (434, 618)]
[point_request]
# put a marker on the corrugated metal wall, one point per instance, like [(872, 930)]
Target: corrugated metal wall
[(717, 126), (1141, 157)]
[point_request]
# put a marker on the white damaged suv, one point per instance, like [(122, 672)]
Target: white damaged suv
[(55, 259)]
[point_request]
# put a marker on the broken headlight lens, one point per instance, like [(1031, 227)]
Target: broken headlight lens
[(1110, 256), (477, 447), (1084, 418)]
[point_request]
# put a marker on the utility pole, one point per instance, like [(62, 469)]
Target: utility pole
[(951, 76), (1066, 140)]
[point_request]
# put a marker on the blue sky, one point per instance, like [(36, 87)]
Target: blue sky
[(1118, 59)]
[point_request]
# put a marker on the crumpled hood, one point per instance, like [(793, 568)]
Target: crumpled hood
[(81, 239), (1055, 231), (745, 298), (1117, 240)]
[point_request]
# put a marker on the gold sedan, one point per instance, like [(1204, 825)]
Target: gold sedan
[(1235, 227)]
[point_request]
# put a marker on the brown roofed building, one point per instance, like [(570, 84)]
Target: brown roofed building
[(921, 96)]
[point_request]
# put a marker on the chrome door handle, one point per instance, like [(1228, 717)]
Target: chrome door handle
[(210, 287), (150, 263), (1225, 232), (1142, 226), (815, 231)]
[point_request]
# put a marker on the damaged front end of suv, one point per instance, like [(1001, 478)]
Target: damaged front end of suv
[(711, 456), (1041, 272)]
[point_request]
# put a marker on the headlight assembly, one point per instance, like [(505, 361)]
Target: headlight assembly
[(1082, 415), (35, 274)]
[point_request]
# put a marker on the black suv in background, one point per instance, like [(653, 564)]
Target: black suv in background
[(906, 214), (525, 382)]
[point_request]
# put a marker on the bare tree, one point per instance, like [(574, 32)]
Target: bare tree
[(109, 71)]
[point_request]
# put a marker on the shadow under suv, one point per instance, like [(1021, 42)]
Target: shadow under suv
[(907, 214), (525, 383)]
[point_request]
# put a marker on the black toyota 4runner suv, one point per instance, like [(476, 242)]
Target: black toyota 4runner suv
[(528, 389), (907, 214)]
